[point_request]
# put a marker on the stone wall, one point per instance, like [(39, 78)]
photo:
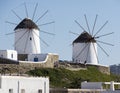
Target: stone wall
[(51, 59), (102, 69), (79, 66), (50, 62), (7, 66)]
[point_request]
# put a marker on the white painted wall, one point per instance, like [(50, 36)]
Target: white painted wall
[(89, 51), (116, 91), (41, 57), (99, 85), (91, 85), (29, 84), (23, 44), (10, 54)]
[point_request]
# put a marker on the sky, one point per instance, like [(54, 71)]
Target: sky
[(64, 13)]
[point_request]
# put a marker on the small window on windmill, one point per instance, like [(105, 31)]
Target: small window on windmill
[(10, 90), (1, 55), (36, 59), (11, 55), (30, 38)]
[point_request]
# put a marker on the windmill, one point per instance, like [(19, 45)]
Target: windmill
[(85, 45), (27, 33)]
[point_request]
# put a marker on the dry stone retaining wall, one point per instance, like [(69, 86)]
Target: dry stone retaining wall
[(22, 66)]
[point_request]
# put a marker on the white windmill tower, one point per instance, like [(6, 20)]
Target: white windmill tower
[(26, 37), (85, 45)]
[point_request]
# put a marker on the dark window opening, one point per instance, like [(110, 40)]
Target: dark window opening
[(35, 59), (10, 90), (30, 38), (11, 55), (1, 55)]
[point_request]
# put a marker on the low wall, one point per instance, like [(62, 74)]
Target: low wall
[(102, 69), (50, 62), (116, 91), (22, 66), (79, 66), (65, 90)]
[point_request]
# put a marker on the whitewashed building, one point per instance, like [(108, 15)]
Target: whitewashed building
[(9, 54), (37, 57), (104, 87), (85, 49), (19, 84)]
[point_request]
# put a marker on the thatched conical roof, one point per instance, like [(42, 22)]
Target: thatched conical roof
[(26, 23), (84, 37)]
